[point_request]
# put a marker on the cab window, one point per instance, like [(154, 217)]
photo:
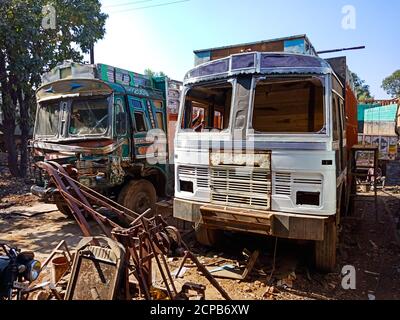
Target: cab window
[(160, 120), (140, 122), (289, 105), (207, 107), (138, 115)]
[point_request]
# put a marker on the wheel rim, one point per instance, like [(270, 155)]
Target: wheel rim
[(142, 203)]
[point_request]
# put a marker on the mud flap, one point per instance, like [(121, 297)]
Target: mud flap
[(298, 227)]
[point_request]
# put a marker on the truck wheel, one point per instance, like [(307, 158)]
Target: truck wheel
[(64, 209), (325, 251), (138, 196), (207, 237)]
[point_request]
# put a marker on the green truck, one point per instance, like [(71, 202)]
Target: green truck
[(111, 129)]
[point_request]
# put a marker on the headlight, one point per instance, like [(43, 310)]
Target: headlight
[(33, 271)]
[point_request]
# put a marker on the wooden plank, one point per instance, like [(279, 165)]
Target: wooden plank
[(231, 223), (236, 211), (235, 273)]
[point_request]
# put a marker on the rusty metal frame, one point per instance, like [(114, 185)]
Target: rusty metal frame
[(145, 240)]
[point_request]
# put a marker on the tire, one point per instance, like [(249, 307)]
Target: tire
[(138, 196), (325, 251), (207, 237), (64, 209)]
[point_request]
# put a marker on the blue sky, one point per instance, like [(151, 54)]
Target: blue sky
[(163, 38)]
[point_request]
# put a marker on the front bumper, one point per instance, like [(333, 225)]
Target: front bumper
[(276, 224)]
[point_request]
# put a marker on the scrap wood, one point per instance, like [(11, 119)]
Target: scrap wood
[(211, 263), (55, 292), (66, 253), (205, 272), (260, 272), (372, 273), (270, 293), (225, 267), (42, 282), (180, 274), (231, 273)]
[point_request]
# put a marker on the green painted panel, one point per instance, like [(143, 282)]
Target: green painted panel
[(125, 150), (377, 113)]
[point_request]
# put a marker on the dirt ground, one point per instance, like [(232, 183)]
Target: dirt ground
[(368, 242)]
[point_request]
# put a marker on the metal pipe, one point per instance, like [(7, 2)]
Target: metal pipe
[(343, 49)]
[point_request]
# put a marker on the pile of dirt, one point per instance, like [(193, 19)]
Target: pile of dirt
[(14, 191)]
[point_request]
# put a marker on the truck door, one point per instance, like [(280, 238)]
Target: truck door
[(121, 126), (141, 124), (161, 115)]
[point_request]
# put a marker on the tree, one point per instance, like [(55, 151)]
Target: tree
[(362, 89), (150, 73), (34, 36), (392, 84)]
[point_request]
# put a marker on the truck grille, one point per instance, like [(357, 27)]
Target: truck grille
[(283, 182), (241, 187), (200, 174)]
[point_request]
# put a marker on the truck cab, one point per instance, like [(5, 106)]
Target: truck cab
[(109, 128), (261, 146)]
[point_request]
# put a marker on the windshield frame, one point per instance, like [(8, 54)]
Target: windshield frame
[(64, 106), (326, 82)]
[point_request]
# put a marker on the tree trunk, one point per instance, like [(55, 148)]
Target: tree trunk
[(23, 166), (9, 142), (24, 101), (8, 107)]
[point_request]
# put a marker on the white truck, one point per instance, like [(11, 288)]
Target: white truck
[(261, 145)]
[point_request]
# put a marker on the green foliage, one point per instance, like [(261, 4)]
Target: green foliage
[(32, 50), (362, 89), (392, 84), (153, 74), (28, 48)]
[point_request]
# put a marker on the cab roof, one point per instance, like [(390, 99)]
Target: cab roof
[(258, 63)]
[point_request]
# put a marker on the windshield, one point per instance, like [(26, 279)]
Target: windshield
[(47, 119), (283, 105), (289, 105), (89, 117)]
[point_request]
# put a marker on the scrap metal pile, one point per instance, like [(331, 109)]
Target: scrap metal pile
[(123, 263)]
